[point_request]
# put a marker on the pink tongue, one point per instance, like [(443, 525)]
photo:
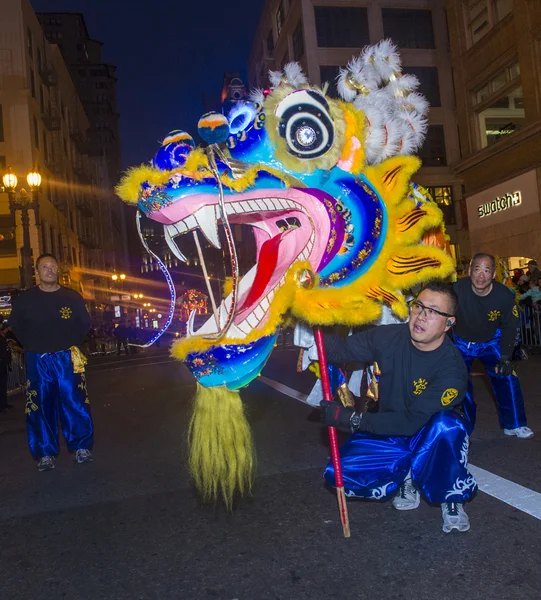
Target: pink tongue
[(268, 257)]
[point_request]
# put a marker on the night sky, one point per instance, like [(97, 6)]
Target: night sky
[(168, 55)]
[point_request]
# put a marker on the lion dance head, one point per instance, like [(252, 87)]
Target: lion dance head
[(325, 184)]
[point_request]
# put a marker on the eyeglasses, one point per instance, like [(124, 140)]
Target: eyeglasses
[(430, 313)]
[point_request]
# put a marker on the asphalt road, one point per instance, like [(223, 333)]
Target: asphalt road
[(128, 526)]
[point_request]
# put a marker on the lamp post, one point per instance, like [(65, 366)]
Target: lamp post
[(23, 202)]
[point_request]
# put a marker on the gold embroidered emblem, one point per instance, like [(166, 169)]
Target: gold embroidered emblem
[(419, 386), (515, 311), (448, 396), (65, 311), (493, 315), (30, 399)]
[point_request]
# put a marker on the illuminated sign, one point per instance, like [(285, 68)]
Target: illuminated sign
[(499, 204)]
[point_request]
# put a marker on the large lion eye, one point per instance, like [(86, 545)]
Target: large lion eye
[(305, 124)]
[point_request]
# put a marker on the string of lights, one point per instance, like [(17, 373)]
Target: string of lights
[(168, 279)]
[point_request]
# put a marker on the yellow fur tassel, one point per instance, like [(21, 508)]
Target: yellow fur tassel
[(221, 453)]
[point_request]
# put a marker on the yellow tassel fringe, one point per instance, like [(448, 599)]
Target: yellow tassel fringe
[(221, 452)]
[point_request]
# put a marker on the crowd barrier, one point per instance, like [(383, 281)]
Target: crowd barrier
[(17, 374), (530, 325)]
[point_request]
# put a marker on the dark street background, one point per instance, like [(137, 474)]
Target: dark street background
[(128, 526)]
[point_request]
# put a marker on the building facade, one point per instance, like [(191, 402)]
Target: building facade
[(496, 56), (43, 127), (323, 35), (95, 82)]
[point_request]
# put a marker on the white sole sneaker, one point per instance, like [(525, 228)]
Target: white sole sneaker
[(457, 520), (522, 433), (404, 504)]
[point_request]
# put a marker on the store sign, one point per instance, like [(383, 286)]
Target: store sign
[(503, 203)]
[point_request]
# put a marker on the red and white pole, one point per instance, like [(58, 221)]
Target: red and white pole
[(335, 454)]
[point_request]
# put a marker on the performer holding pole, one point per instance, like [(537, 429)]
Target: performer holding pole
[(416, 442), (333, 438), (486, 329)]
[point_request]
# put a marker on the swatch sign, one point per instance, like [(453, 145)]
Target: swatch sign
[(499, 204)]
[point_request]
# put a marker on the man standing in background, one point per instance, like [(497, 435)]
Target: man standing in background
[(51, 323), (486, 328)]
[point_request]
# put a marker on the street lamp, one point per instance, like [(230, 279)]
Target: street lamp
[(122, 276), (23, 202), (114, 277)]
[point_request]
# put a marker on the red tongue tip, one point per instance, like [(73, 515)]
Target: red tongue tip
[(268, 257)]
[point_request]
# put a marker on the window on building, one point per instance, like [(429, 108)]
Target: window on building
[(341, 26), (497, 82), (298, 42), (40, 60), (270, 44), (433, 152), (499, 105), (8, 242), (443, 196), (482, 15), (328, 74), (60, 247), (36, 132), (279, 18), (41, 99), (45, 147), (3, 164), (501, 118), (32, 83), (1, 125), (30, 42), (429, 83), (409, 28)]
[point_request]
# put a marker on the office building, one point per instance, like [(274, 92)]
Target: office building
[(323, 35), (496, 58)]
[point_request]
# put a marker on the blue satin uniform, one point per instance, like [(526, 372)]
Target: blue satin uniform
[(54, 391), (486, 329), (48, 324), (417, 426), (374, 466), (506, 388)]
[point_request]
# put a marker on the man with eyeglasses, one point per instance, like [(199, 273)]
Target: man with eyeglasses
[(486, 329), (416, 443)]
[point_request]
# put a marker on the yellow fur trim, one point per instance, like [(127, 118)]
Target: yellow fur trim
[(228, 286), (244, 182), (196, 161), (354, 128), (221, 452)]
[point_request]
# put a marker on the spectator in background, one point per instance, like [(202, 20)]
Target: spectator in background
[(132, 337), (121, 336), (532, 274), (533, 294), (5, 364)]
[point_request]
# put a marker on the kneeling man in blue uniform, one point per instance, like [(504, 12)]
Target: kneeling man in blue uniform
[(418, 441)]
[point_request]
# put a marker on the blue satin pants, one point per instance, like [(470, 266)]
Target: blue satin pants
[(506, 388), (374, 466), (54, 391)]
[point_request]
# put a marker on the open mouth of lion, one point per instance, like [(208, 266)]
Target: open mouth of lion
[(288, 225)]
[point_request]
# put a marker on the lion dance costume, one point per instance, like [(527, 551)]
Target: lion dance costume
[(325, 185)]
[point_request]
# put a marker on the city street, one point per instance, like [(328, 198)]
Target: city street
[(128, 526)]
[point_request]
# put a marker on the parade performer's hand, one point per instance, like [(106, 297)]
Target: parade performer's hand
[(334, 414), (504, 367)]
